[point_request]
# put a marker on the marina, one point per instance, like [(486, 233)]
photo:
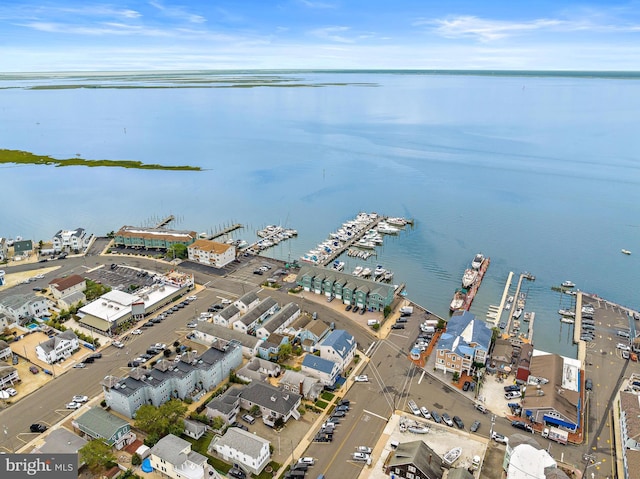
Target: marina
[(513, 308), (463, 297)]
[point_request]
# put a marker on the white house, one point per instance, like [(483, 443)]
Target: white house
[(340, 347), (8, 375), (61, 287), (279, 321), (323, 369), (247, 301), (252, 319), (21, 306), (58, 348), (227, 316), (70, 240), (5, 350), (173, 457), (4, 249), (244, 448), (211, 253)]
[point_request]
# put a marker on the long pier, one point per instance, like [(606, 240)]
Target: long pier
[(337, 252), (165, 221), (227, 230), (505, 293)]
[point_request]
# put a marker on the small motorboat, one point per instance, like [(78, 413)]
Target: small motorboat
[(452, 456), (568, 284)]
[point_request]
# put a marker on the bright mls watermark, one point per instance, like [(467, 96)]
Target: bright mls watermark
[(51, 466)]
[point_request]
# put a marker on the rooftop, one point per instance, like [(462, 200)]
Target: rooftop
[(243, 441)]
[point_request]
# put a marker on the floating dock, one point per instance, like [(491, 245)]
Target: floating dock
[(165, 221), (471, 293)]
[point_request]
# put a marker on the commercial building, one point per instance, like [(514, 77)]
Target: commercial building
[(152, 238)]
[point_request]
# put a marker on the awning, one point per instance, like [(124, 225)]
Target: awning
[(560, 422)]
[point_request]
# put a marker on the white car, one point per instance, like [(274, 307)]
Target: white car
[(361, 457), (425, 412), (364, 449), (118, 344), (40, 276), (79, 399), (191, 298), (11, 391), (363, 378), (160, 346), (226, 301), (79, 365), (623, 347), (73, 405), (136, 331), (499, 438), (414, 407), (307, 460)]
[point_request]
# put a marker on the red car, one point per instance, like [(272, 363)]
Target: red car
[(34, 369)]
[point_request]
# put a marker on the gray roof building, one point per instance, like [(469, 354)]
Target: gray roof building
[(61, 441), (258, 311), (418, 455), (205, 331), (173, 455), (100, 424)]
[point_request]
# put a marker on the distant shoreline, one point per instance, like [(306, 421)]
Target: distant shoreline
[(25, 157)]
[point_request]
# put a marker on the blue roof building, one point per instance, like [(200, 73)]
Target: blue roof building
[(466, 341), (340, 347), (325, 370)]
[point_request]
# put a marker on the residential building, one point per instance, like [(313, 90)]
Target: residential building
[(60, 441), (97, 423), (152, 238), (269, 349), (279, 321), (308, 387), (58, 348), (205, 333), (258, 314), (373, 295), (227, 316), (60, 287), (71, 240), (20, 308), (558, 402), (274, 403), (258, 369), (247, 301), (525, 459), (414, 460), (8, 375), (22, 248), (325, 370), (308, 333), (5, 350), (168, 379), (5, 319), (340, 347), (466, 341), (523, 362), (173, 457), (211, 253), (225, 406), (628, 408), (244, 448), (194, 429)]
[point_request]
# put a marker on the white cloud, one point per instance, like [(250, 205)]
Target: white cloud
[(314, 4), (332, 33), (178, 13)]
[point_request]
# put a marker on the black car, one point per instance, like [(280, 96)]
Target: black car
[(238, 425), (88, 360), (237, 473), (355, 309), (344, 402), (156, 320), (397, 326), (339, 413), (458, 422), (348, 308), (362, 311), (96, 355), (133, 364), (522, 425), (588, 384), (257, 271), (148, 324), (436, 417), (342, 407), (146, 356), (513, 387), (465, 386), (37, 427)]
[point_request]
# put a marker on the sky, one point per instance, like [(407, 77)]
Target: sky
[(84, 35)]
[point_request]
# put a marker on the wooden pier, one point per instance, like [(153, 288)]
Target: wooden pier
[(226, 230), (505, 294), (165, 221), (337, 252)]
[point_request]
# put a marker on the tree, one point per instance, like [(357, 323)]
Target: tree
[(177, 251), (163, 420), (495, 334), (285, 351), (97, 455), (217, 423), (456, 376), (441, 324)]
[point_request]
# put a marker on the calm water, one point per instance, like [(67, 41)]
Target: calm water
[(541, 173)]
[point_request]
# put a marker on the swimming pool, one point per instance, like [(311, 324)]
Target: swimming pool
[(146, 465), (32, 325)]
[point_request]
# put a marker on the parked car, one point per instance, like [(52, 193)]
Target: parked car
[(397, 326), (340, 413), (362, 457), (425, 412), (12, 392), (588, 384), (79, 399), (458, 422), (248, 418), (37, 427), (436, 416), (364, 449), (342, 407), (511, 387), (307, 460), (475, 426), (344, 402), (237, 473), (88, 360), (73, 405), (238, 425), (79, 366), (466, 385), (34, 370), (348, 308), (512, 395), (522, 425), (363, 378), (96, 355), (499, 438), (136, 331), (118, 344), (447, 420)]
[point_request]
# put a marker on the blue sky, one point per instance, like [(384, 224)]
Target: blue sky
[(61, 35)]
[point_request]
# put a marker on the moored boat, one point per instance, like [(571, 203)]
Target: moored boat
[(357, 271), (452, 455), (458, 300), (469, 277), (477, 261), (366, 272), (567, 320), (418, 429), (566, 312), (626, 251), (568, 284)]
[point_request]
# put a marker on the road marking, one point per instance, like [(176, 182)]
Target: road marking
[(376, 415), (421, 376)]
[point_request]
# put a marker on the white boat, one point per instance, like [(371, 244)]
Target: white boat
[(418, 429), (366, 272), (517, 313), (566, 312), (387, 228), (357, 271), (388, 275), (567, 320), (379, 271), (568, 284), (398, 221), (477, 261), (625, 251), (458, 300), (338, 265), (365, 244), (469, 277), (453, 455), (529, 316)]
